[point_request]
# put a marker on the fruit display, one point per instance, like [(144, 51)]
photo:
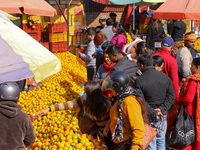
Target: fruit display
[(59, 130)]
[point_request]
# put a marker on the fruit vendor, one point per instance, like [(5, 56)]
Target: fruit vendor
[(126, 123), (16, 127), (95, 105)]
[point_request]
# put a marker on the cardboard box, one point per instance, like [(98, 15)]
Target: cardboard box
[(76, 10), (77, 20)]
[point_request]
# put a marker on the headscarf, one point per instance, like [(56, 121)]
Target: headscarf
[(191, 36), (118, 134)]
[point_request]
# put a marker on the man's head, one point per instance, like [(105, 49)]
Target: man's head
[(90, 33), (158, 63), (102, 20), (9, 91), (113, 16), (190, 39), (168, 43), (145, 60), (109, 22), (106, 45), (114, 53), (99, 39)]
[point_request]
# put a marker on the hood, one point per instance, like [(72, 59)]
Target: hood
[(10, 109), (179, 24)]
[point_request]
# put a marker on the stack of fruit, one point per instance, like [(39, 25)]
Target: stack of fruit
[(59, 130)]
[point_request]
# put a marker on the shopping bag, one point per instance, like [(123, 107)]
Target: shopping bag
[(183, 133)]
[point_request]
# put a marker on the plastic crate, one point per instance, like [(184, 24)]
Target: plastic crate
[(145, 20), (57, 37), (36, 36), (28, 29), (58, 47), (46, 45), (57, 27)]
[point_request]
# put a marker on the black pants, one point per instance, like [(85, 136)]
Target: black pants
[(126, 145), (91, 72), (109, 142)]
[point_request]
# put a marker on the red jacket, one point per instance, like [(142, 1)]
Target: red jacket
[(170, 68)]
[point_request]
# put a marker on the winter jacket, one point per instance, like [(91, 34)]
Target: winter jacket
[(153, 36), (170, 68), (101, 73), (16, 127), (126, 65), (119, 40), (107, 31), (99, 56), (177, 30), (157, 89), (87, 57)]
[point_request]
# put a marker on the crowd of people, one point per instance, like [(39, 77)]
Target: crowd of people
[(130, 85), (139, 82)]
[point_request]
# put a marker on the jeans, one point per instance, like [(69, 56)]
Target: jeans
[(158, 143)]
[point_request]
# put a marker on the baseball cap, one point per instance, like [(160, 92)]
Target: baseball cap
[(167, 41)]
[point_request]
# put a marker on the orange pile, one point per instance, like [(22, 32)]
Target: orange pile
[(59, 130)]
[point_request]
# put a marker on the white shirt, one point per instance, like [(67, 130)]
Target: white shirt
[(131, 44)]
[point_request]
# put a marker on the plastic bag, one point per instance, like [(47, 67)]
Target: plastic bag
[(183, 133)]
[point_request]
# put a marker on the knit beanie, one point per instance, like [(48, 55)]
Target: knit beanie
[(98, 39)]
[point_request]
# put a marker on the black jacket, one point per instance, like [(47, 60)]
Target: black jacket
[(177, 30), (153, 36), (126, 65), (157, 89), (99, 59)]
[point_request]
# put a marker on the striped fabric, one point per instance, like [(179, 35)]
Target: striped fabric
[(79, 103)]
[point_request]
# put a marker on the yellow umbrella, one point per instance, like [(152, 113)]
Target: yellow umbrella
[(11, 17)]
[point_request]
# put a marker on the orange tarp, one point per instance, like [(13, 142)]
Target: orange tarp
[(179, 9), (31, 7)]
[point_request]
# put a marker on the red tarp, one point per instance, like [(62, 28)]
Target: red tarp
[(31, 7), (179, 9)]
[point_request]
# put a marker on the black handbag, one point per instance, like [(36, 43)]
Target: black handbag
[(183, 133), (86, 124)]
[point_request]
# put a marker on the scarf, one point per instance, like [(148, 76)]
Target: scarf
[(108, 67), (118, 134), (183, 84)]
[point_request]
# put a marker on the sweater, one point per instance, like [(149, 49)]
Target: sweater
[(87, 57), (170, 68), (16, 127), (184, 60), (132, 118), (126, 65), (177, 30), (157, 89), (119, 40), (79, 102)]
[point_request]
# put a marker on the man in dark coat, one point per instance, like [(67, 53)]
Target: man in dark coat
[(122, 63), (159, 94), (16, 127)]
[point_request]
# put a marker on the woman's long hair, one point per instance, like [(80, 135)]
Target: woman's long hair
[(156, 25), (120, 30), (96, 102), (145, 113)]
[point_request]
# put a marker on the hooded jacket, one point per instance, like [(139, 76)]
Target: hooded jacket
[(177, 30), (16, 128)]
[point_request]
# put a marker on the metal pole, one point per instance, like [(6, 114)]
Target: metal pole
[(66, 20)]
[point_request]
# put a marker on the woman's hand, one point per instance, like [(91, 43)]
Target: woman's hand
[(42, 112), (105, 131)]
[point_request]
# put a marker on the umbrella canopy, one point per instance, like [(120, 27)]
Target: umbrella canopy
[(31, 7), (23, 57), (179, 9), (125, 2)]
